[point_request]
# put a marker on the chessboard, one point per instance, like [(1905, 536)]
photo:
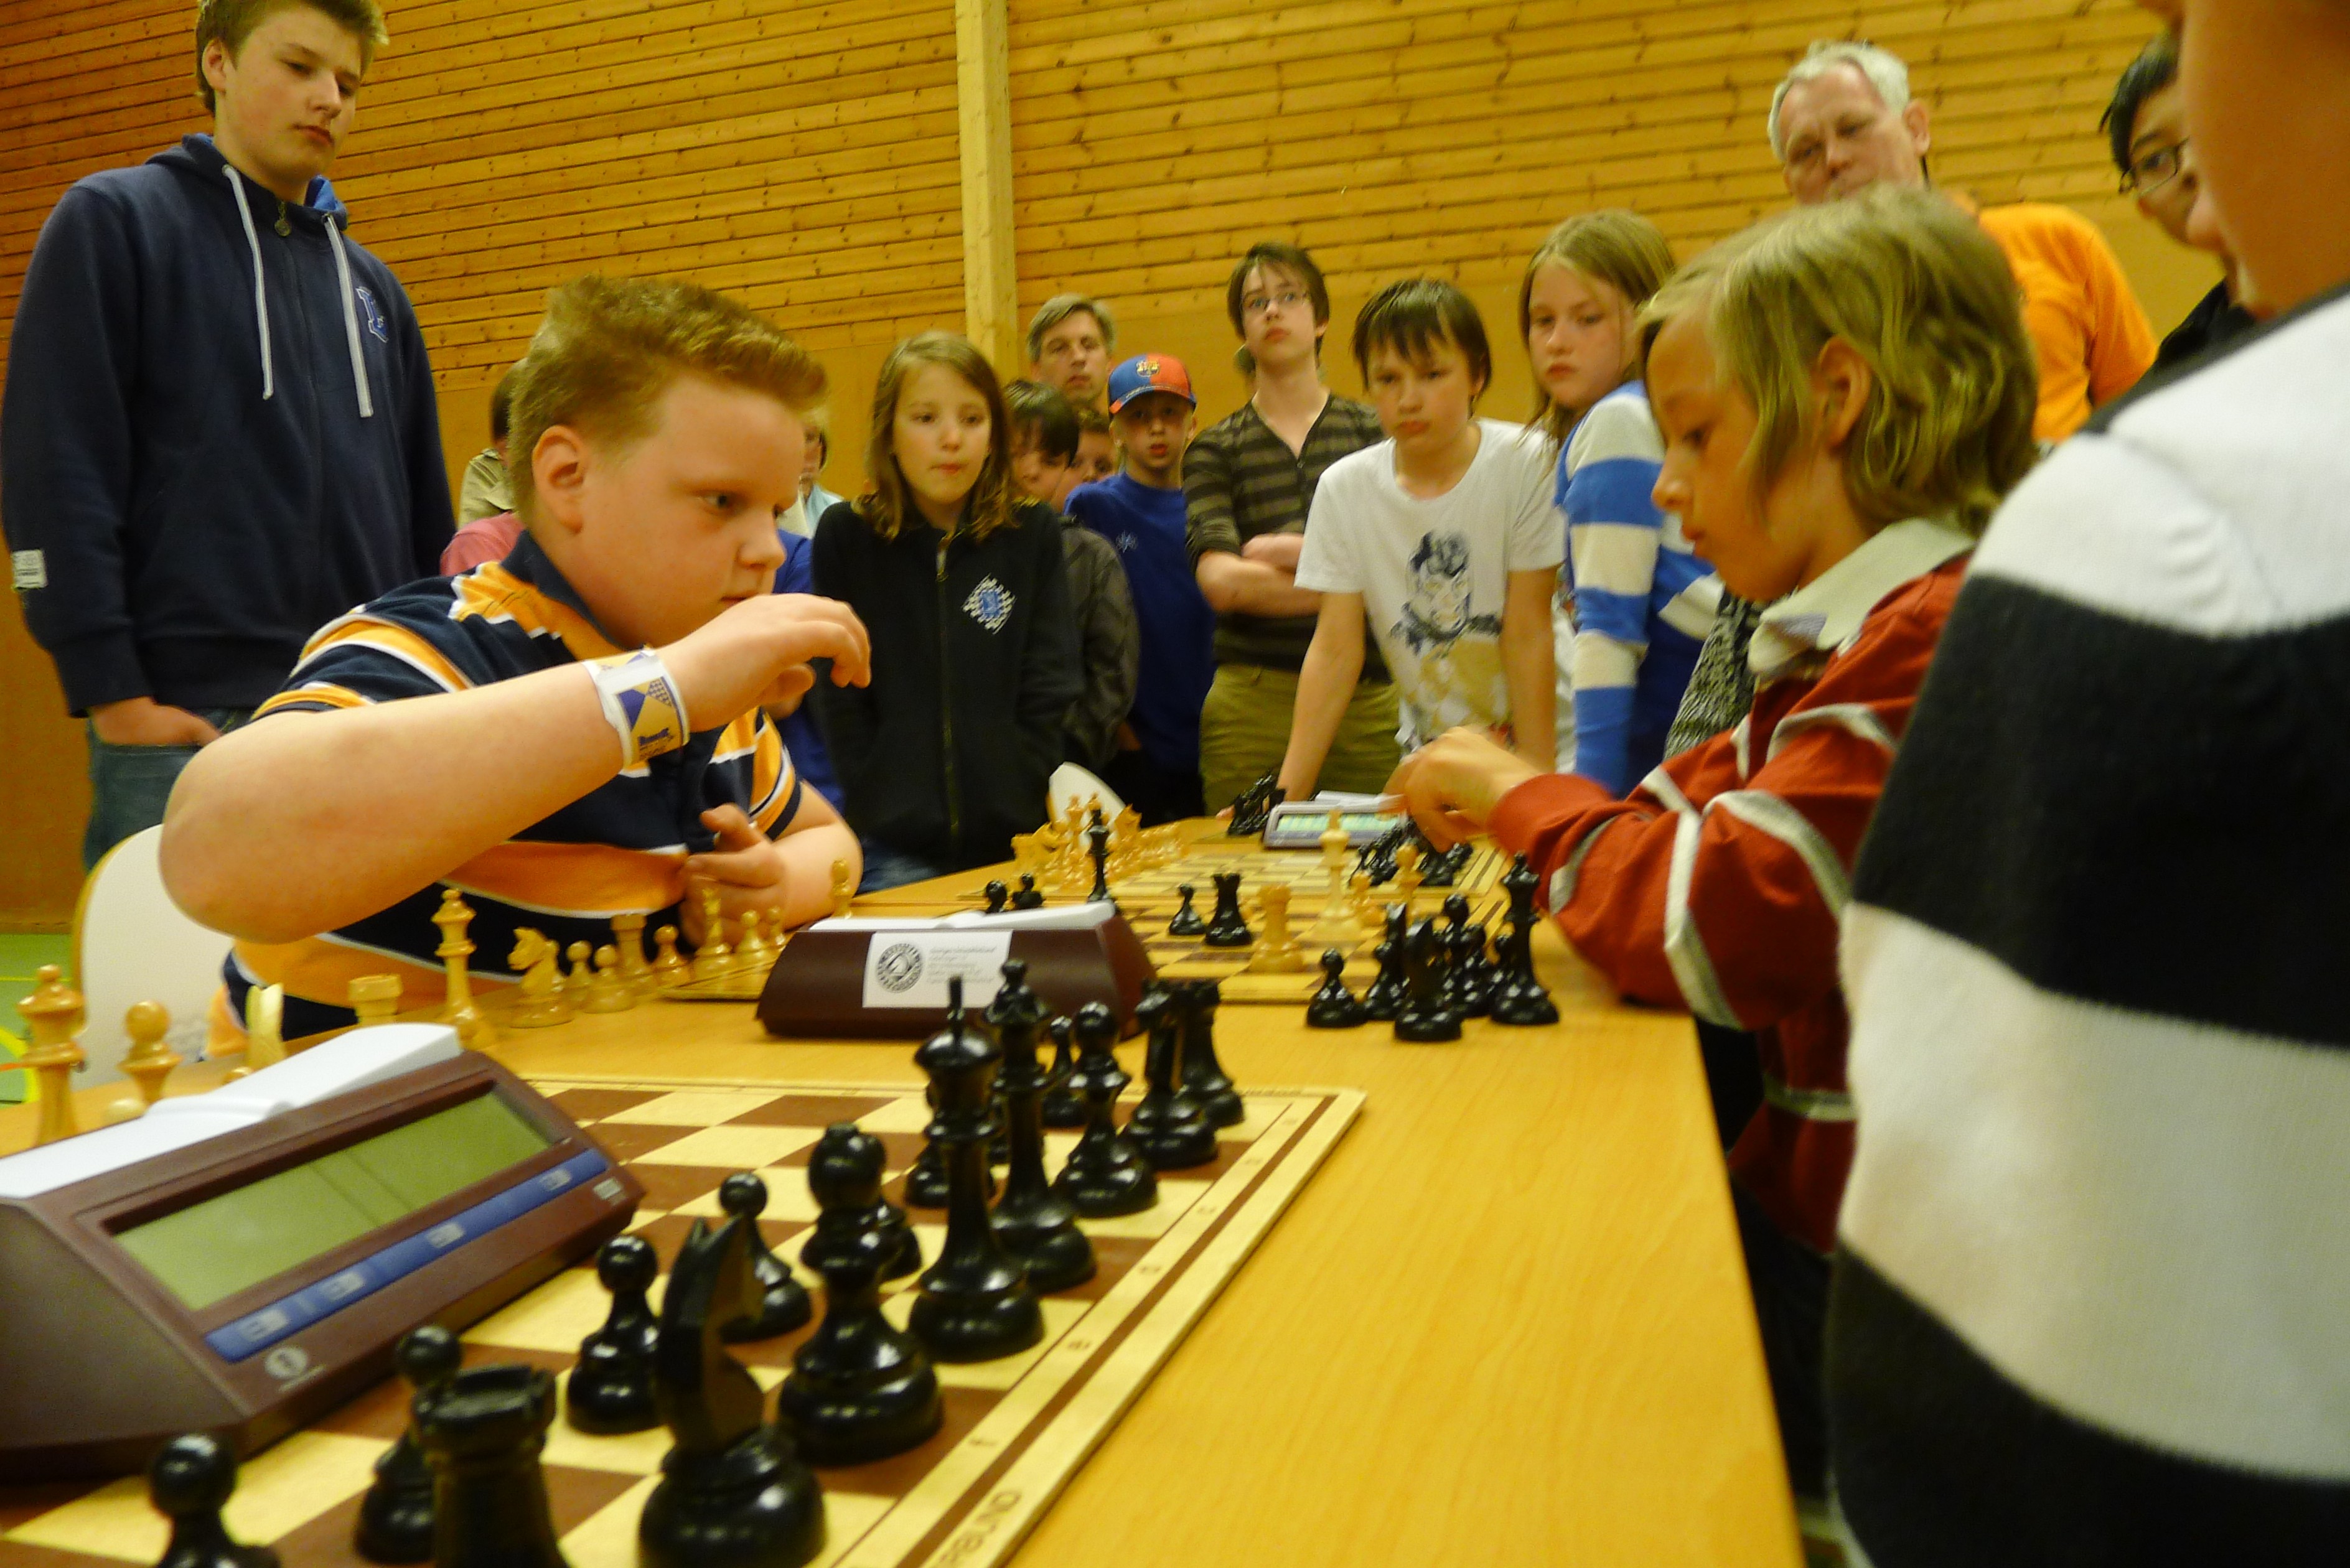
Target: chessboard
[(1016, 1429), (1150, 893)]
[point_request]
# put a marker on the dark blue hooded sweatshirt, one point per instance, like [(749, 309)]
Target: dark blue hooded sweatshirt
[(218, 433)]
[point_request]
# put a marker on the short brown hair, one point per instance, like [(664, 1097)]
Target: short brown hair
[(1042, 415), (1059, 308), (1916, 288), (1615, 246), (233, 22), (1412, 316), (1274, 255), (888, 500), (609, 348)]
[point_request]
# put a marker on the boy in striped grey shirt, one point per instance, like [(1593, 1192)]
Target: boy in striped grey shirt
[(1248, 483)]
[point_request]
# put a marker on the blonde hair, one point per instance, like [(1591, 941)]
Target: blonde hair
[(1616, 247), (888, 500), (609, 348), (1918, 291)]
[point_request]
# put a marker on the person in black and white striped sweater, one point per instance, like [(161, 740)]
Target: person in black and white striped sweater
[(2094, 1302)]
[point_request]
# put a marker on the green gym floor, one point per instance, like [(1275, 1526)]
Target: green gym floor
[(19, 956)]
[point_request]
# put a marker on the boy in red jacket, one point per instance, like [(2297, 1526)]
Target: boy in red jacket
[(1845, 393)]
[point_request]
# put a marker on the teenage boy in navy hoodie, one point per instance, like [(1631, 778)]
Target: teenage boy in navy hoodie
[(218, 431)]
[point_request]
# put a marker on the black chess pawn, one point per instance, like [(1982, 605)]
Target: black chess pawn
[(926, 1178), (1105, 1175), (731, 1493), (860, 1389), (845, 1172), (1063, 1106), (1228, 928), (189, 1481), (1027, 895), (1519, 999), (1468, 977), (1203, 1075), (1333, 1006), (1036, 1224), (395, 1523), (999, 898), (1098, 846), (483, 1430), (975, 1303), (1383, 997), (1168, 1126), (784, 1303), (610, 1388), (1456, 910), (1187, 921), (1425, 1017)]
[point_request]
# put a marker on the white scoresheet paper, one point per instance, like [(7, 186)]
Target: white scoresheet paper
[(908, 961)]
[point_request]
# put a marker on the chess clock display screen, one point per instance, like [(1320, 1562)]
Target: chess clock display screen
[(212, 1249)]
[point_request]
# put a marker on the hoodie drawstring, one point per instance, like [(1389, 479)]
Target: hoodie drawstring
[(260, 290), (350, 319)]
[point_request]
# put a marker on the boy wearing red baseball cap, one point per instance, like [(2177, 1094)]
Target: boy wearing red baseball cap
[(1141, 510)]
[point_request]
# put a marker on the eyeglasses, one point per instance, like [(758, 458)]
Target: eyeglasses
[(1262, 304), (2152, 170)]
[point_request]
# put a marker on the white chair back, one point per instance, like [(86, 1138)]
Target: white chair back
[(1071, 782), (132, 944)]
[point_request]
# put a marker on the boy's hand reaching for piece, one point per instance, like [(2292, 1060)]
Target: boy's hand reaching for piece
[(757, 652), (746, 866), (1451, 786)]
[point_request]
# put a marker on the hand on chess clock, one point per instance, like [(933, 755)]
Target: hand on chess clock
[(757, 651), (750, 871), (1451, 786)]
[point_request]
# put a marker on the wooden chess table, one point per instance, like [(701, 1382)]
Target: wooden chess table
[(1499, 1318)]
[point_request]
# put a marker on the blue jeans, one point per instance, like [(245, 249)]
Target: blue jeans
[(129, 785), (887, 867)]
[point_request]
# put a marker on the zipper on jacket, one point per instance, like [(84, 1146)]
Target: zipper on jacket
[(285, 229), (946, 709)]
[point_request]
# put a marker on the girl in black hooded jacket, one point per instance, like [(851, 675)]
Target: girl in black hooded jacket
[(948, 752)]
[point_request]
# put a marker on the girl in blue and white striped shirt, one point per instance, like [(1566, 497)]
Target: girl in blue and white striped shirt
[(1643, 603)]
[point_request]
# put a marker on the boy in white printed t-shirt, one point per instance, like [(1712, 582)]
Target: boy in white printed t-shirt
[(1446, 533)]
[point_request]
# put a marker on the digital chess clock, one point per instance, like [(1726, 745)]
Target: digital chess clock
[(242, 1261), (1299, 824)]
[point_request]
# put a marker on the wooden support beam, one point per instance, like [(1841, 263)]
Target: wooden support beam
[(991, 280)]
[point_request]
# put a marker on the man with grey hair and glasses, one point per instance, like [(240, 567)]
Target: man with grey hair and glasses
[(1843, 120)]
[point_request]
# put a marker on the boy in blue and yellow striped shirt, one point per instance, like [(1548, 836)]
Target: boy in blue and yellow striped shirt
[(573, 733)]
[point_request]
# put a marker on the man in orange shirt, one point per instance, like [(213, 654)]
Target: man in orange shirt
[(1842, 120)]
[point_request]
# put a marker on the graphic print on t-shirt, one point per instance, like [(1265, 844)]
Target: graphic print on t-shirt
[(1460, 679)]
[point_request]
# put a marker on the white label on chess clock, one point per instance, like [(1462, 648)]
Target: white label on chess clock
[(910, 968)]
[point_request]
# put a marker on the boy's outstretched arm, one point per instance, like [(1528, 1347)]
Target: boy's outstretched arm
[(1333, 662), (306, 821), (1529, 664)]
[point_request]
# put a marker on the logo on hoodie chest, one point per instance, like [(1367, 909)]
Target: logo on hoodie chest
[(375, 317), (989, 604)]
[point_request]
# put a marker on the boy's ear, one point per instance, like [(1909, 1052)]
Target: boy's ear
[(1841, 382), (216, 65), (558, 471)]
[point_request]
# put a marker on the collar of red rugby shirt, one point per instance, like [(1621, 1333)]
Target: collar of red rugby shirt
[(1825, 614)]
